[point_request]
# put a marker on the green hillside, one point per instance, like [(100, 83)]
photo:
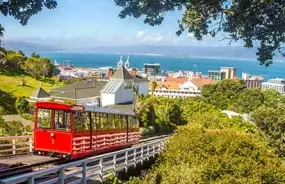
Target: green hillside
[(12, 82)]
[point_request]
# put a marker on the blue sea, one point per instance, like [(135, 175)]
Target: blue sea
[(170, 63)]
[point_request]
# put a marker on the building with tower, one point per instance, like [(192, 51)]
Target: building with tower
[(120, 63), (119, 89), (127, 63)]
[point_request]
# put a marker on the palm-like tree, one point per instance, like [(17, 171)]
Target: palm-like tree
[(153, 87)]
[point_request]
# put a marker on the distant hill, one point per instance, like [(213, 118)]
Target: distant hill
[(176, 51), (27, 47)]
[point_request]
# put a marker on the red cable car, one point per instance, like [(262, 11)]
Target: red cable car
[(73, 131)]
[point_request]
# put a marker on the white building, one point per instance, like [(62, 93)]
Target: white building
[(252, 81), (190, 88), (278, 84), (119, 88), (171, 93)]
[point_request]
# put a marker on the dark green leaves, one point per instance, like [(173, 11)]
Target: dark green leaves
[(255, 22)]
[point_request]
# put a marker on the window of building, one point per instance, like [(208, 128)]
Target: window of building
[(44, 118), (128, 85), (62, 120)]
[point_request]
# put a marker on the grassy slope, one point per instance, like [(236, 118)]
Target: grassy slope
[(11, 82)]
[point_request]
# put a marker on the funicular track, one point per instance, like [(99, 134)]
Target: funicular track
[(26, 163)]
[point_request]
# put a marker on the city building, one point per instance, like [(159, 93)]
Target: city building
[(252, 81), (119, 89), (230, 72), (278, 84), (189, 88), (223, 73), (127, 64), (152, 69), (99, 92), (216, 75), (175, 93), (196, 84), (85, 92)]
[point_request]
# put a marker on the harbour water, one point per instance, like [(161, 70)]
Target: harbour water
[(171, 63)]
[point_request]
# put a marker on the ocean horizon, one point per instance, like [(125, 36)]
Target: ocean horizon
[(92, 60)]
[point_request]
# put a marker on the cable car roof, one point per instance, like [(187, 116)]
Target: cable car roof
[(109, 110)]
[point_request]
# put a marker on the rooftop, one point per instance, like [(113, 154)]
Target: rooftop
[(276, 81), (79, 90), (179, 80), (199, 82), (88, 83), (40, 93), (122, 74)]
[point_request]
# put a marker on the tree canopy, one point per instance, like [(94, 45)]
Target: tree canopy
[(255, 22)]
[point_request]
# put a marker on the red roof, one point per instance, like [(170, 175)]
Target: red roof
[(180, 80), (199, 82)]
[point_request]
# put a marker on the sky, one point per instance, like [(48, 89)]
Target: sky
[(88, 23)]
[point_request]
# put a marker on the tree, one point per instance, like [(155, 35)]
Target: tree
[(153, 87), (35, 55), (271, 121), (248, 100), (254, 22), (191, 107), (7, 102), (222, 93), (23, 80), (272, 98), (14, 61), (32, 66), (47, 67), (22, 105), (24, 10), (196, 154)]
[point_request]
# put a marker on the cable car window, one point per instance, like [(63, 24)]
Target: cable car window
[(132, 122), (124, 122), (86, 121), (99, 124), (77, 120), (94, 118), (62, 120), (105, 120), (111, 120), (118, 122), (44, 118)]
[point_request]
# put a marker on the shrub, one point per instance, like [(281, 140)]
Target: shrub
[(22, 105), (199, 155)]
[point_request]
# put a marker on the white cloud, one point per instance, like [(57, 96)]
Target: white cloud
[(143, 37), (140, 34), (190, 35)]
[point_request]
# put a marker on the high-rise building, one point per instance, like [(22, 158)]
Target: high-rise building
[(278, 84), (252, 81), (216, 75), (230, 72), (152, 69)]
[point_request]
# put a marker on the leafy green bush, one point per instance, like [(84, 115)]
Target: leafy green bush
[(27, 116), (22, 105), (196, 154), (271, 121), (7, 102)]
